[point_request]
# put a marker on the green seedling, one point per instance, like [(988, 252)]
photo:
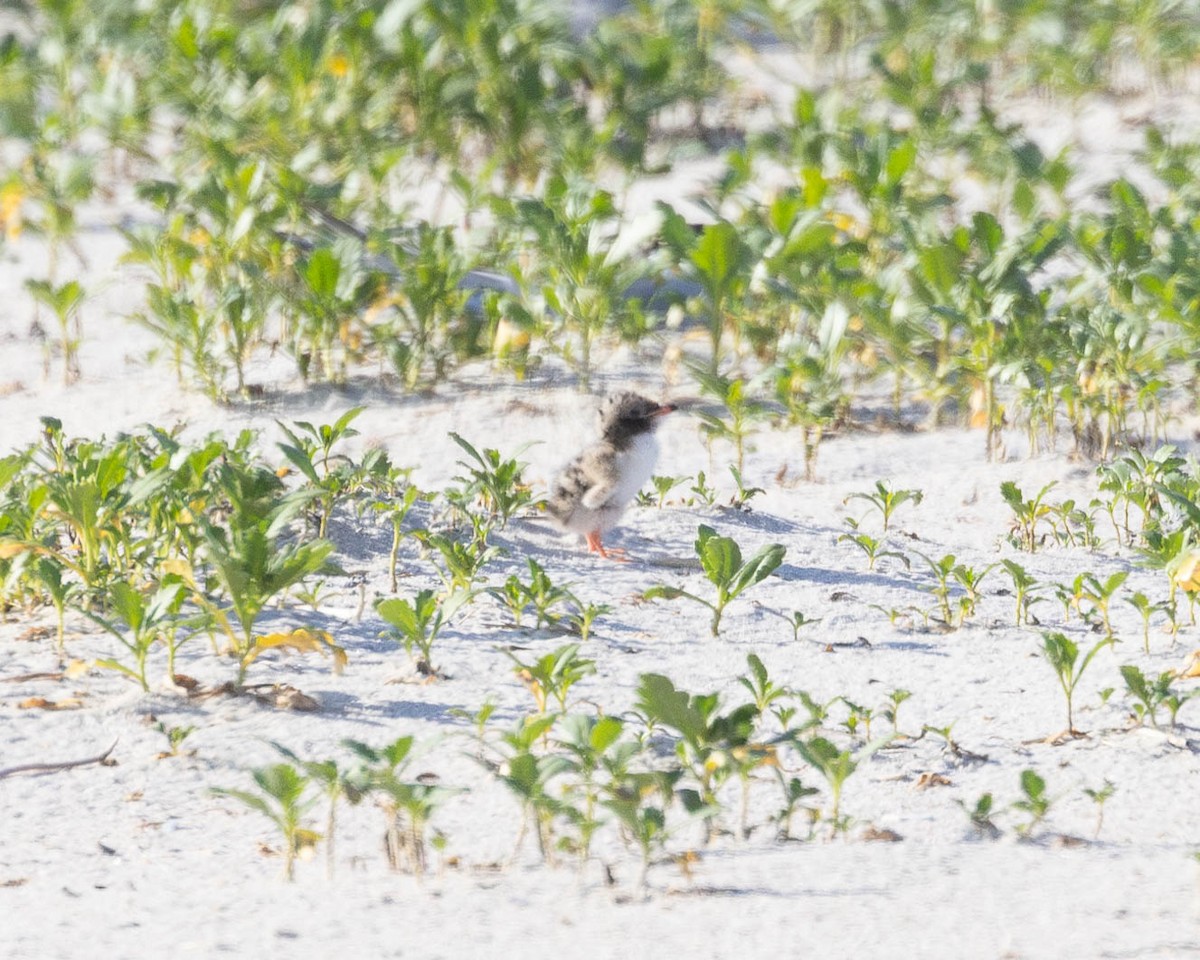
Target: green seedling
[(553, 675), (539, 593), (336, 785), (462, 561), (530, 777), (836, 766), (701, 492), (396, 510), (721, 559), (942, 570), (1024, 589), (1142, 604), (1035, 803), (416, 623), (712, 746), (1062, 654), (640, 801), (971, 581), (1100, 797), (50, 572), (886, 500), (980, 816), (1100, 593), (139, 621), (859, 715), (872, 548), (584, 615), (740, 413), (743, 494), (310, 450), (761, 687), (64, 301), (284, 804), (662, 487), (598, 756), (175, 737), (798, 621), (794, 793), (891, 713), (1151, 694), (496, 481), (408, 806), (1027, 514)]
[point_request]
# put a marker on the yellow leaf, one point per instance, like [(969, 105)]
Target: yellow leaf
[(180, 568), (301, 640), (11, 548), (1187, 574), (77, 668), (1191, 667)]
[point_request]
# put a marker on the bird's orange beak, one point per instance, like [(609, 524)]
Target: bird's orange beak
[(664, 410)]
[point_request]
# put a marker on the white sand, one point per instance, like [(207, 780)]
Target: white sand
[(140, 860)]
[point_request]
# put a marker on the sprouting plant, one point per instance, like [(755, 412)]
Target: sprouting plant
[(891, 713), (50, 572), (662, 486), (858, 715), (980, 816), (175, 737), (1153, 693), (1026, 514), (1099, 593), (1100, 796), (702, 492), (584, 615), (539, 593), (873, 549), (971, 581), (553, 675), (797, 621), (836, 766), (335, 784), (1035, 802), (794, 793), (310, 450), (462, 560), (597, 756), (396, 509), (284, 804), (1024, 589), (942, 570), (886, 500), (762, 688), (408, 805), (639, 800), (721, 560), (64, 301), (416, 623), (1142, 604), (740, 411), (495, 480), (529, 776), (139, 621), (1062, 653), (743, 494)]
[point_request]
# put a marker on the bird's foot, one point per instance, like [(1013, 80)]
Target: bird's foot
[(612, 553)]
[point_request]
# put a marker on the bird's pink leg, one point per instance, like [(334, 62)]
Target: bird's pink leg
[(595, 546)]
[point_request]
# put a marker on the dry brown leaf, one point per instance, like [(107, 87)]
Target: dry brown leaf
[(34, 633), (41, 703), (931, 779), (882, 835)]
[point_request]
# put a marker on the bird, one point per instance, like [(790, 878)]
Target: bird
[(592, 491)]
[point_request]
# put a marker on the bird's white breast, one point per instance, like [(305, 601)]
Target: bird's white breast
[(634, 467)]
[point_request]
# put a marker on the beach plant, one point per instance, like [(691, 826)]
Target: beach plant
[(971, 581), (721, 560), (736, 420), (836, 767), (872, 548), (795, 792), (1062, 653), (663, 485), (530, 776), (1034, 802), (891, 713), (408, 805), (886, 500), (712, 746), (138, 621), (397, 508), (584, 615), (980, 815), (553, 675), (497, 481), (64, 301), (1024, 586), (1100, 796), (175, 737), (1145, 608), (462, 561), (336, 785), (1099, 594), (1027, 514), (640, 800), (416, 623), (701, 492), (282, 799), (742, 494), (759, 684), (1153, 693), (598, 756), (310, 450), (943, 570)]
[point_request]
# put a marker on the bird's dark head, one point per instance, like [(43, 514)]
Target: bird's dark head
[(625, 415)]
